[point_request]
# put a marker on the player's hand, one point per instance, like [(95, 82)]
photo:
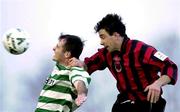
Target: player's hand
[(80, 99), (154, 91), (75, 62)]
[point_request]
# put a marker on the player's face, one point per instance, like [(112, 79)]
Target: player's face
[(59, 53), (107, 40)]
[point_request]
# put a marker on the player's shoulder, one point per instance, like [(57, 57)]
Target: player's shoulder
[(140, 43), (135, 41), (77, 69)]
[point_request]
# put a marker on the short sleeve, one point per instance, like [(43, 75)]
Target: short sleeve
[(78, 73)]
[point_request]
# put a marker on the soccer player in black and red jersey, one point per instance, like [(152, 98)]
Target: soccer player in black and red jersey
[(134, 64)]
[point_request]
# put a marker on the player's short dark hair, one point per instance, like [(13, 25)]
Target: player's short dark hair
[(73, 44), (111, 23)]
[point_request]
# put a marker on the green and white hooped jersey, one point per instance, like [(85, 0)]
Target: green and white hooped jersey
[(58, 93)]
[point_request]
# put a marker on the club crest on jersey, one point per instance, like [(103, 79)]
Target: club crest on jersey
[(117, 64), (160, 55)]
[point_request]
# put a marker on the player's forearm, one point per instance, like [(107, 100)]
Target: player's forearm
[(81, 92), (163, 80), (80, 87)]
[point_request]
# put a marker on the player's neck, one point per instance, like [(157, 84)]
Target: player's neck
[(64, 62), (119, 43)]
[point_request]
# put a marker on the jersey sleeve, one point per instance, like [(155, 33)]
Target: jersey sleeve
[(160, 62), (96, 61), (78, 73)]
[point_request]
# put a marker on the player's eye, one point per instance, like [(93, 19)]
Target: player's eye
[(57, 46)]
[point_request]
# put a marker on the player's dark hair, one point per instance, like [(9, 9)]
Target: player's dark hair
[(73, 44), (112, 23)]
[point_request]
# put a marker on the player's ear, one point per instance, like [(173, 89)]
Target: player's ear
[(67, 54), (116, 35)]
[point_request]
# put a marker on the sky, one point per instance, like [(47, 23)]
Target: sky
[(156, 22)]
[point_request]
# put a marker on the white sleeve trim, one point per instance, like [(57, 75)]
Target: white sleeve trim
[(84, 79)]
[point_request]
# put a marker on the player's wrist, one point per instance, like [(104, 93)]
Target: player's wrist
[(159, 83), (82, 95), (81, 98)]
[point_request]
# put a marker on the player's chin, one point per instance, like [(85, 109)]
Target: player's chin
[(54, 58), (110, 50)]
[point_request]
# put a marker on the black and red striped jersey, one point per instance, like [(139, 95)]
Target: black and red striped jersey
[(135, 66)]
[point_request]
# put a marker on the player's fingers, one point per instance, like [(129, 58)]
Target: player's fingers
[(152, 96), (146, 89), (157, 94), (72, 62), (149, 95)]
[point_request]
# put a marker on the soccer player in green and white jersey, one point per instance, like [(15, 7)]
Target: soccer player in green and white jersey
[(66, 88)]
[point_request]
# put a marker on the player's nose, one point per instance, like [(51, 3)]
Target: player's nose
[(54, 48), (101, 42)]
